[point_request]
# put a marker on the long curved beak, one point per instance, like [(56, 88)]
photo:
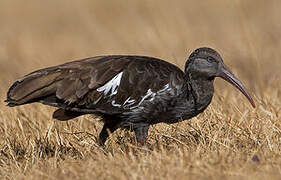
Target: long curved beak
[(227, 75)]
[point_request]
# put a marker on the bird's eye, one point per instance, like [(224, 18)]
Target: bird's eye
[(210, 59)]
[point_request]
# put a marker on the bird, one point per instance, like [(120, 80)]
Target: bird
[(128, 91)]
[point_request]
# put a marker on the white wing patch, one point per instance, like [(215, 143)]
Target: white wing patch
[(148, 96), (112, 85), (130, 103), (113, 103), (165, 89)]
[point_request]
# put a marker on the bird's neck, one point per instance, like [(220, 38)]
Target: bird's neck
[(201, 90)]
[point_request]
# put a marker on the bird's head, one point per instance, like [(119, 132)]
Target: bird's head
[(206, 64)]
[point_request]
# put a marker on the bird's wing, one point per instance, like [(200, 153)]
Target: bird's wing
[(98, 84), (66, 83), (144, 79)]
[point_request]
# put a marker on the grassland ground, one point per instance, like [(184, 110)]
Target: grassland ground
[(230, 140)]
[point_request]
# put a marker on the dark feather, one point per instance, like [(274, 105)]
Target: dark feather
[(64, 115), (69, 82), (130, 92)]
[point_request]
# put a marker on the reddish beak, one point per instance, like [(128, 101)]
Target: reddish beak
[(227, 75)]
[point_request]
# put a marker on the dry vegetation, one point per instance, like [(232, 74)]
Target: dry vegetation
[(230, 140)]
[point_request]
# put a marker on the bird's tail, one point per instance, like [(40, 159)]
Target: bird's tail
[(33, 87)]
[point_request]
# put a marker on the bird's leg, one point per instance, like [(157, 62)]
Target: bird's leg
[(108, 126), (141, 133)]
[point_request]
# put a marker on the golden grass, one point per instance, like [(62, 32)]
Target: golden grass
[(230, 140)]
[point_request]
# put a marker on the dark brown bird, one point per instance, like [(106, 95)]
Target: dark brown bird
[(130, 92)]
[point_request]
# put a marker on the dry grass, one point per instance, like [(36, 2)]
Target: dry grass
[(230, 140)]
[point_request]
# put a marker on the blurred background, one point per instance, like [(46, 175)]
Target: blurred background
[(35, 34), (230, 140)]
